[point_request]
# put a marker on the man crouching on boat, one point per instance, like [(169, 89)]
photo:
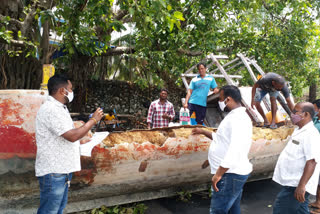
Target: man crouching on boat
[(228, 153)]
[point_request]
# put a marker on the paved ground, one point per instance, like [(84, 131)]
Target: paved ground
[(257, 197)]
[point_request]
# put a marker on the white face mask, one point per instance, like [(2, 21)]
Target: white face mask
[(69, 96), (222, 105)]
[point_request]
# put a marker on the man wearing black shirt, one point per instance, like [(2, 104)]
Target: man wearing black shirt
[(270, 83)]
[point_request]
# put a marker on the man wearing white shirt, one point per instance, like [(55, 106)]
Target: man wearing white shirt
[(228, 153), (58, 149), (297, 169)]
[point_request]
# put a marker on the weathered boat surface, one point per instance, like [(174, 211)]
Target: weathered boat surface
[(125, 167)]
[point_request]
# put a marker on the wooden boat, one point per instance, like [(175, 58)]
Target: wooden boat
[(125, 167)]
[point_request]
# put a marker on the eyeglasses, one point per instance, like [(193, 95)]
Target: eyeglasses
[(295, 111)]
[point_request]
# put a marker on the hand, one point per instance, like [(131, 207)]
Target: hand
[(216, 90), (165, 116), (85, 140), (149, 126), (185, 105), (299, 193), (98, 114), (252, 104), (215, 180), (197, 131), (205, 164)]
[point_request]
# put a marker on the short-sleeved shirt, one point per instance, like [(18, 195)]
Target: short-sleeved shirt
[(55, 154), (265, 83), (231, 144), (200, 89), (156, 110), (303, 146), (316, 122)]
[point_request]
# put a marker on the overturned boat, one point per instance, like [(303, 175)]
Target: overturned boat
[(124, 167)]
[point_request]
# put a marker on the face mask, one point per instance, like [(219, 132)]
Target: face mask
[(222, 105), (295, 118), (69, 96)]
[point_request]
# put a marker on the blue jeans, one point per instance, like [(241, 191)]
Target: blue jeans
[(286, 203), (53, 193), (260, 94), (227, 200)]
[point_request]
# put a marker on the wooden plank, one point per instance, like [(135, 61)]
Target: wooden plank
[(214, 75), (185, 82), (230, 82), (224, 73), (259, 69), (225, 65), (217, 56), (245, 62)]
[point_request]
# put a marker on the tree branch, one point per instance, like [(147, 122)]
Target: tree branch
[(29, 19), (12, 21), (118, 51), (127, 50)]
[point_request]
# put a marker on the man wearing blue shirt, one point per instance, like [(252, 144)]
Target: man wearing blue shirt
[(196, 99)]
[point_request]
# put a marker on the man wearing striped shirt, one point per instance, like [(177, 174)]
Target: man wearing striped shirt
[(161, 111)]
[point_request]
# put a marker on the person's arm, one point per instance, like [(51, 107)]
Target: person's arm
[(202, 131), (217, 177), (253, 93), (286, 93), (78, 133), (187, 98), (214, 86), (290, 103), (172, 113), (150, 114), (307, 173)]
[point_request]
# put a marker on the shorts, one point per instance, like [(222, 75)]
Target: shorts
[(260, 94), (199, 110)]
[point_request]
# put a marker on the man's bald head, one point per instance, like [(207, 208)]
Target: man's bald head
[(307, 107)]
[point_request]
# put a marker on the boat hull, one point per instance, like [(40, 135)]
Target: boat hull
[(125, 167)]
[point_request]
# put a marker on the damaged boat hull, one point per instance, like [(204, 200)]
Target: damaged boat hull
[(116, 173)]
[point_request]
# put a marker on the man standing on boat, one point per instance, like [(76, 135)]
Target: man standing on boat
[(196, 99), (58, 147), (296, 168), (228, 153), (161, 111), (270, 83)]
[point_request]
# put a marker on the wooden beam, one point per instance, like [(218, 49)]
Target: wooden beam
[(245, 62), (225, 65), (214, 75), (259, 69)]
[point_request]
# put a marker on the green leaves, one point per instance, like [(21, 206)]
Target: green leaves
[(138, 208), (178, 15)]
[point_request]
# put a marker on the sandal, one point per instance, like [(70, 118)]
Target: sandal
[(273, 126)]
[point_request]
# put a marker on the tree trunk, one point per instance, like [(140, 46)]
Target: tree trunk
[(80, 69), (20, 72), (313, 92)]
